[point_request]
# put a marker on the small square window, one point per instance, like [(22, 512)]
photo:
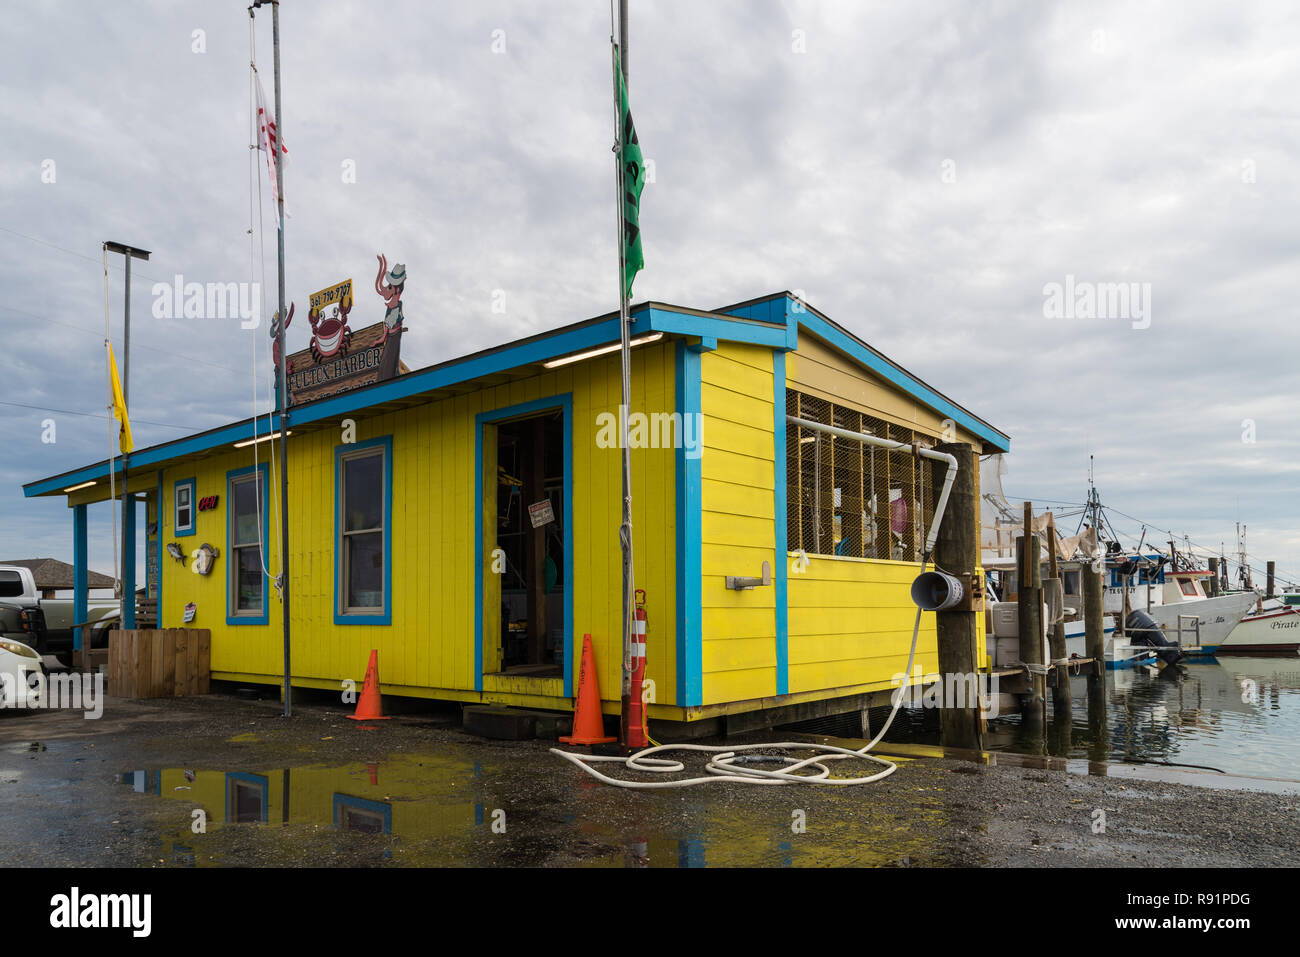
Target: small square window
[(183, 522)]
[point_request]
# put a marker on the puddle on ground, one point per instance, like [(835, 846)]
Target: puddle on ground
[(426, 810)]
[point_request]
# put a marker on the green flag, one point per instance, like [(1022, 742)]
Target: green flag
[(633, 176)]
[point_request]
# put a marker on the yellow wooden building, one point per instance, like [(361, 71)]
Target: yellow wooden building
[(462, 519)]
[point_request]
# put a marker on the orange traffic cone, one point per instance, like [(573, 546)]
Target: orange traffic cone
[(370, 705), (588, 727)]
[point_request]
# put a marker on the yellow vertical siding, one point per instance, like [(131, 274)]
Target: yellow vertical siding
[(850, 622), (430, 644), (738, 532)]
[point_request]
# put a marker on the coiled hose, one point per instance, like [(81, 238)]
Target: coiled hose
[(729, 764)]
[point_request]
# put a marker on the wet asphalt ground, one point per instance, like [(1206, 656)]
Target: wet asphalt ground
[(223, 781)]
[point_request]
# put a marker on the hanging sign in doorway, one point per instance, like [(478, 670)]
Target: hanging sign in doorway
[(541, 513)]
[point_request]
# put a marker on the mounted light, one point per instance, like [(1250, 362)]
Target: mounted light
[(603, 350), (73, 488), (261, 438)]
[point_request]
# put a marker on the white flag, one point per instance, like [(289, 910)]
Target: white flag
[(267, 141)]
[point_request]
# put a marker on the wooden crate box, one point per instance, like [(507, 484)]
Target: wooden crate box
[(159, 663)]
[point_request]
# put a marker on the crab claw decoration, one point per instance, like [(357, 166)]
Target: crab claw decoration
[(275, 337)]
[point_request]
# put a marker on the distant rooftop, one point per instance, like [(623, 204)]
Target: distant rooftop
[(52, 573)]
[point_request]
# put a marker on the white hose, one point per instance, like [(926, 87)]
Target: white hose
[(724, 765)]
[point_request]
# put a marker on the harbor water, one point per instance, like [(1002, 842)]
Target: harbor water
[(1240, 716)]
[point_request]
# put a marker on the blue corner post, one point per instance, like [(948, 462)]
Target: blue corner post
[(80, 604), (128, 561)]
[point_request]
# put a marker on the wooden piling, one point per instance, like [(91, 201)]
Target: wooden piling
[(1061, 697), (1213, 580), (1030, 609), (1272, 567), (1094, 621), (956, 551)]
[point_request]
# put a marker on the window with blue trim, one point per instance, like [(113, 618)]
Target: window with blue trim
[(363, 544), (183, 507), (247, 583)]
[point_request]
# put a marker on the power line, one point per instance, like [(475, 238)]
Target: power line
[(139, 345), (70, 252), (95, 415)]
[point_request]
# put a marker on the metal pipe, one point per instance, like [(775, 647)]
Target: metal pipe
[(893, 446)]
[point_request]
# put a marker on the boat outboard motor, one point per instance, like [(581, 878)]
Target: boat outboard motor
[(1143, 630)]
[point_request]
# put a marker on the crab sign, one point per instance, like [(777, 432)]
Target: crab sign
[(330, 336), (390, 290)]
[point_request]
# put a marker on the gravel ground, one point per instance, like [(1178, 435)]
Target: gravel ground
[(436, 796)]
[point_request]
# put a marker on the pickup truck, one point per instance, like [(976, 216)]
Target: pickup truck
[(46, 623)]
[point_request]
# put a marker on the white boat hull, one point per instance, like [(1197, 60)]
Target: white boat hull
[(1218, 617), (1270, 633)]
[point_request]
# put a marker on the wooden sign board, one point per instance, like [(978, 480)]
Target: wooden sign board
[(365, 363)]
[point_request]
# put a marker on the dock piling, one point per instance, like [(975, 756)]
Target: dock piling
[(956, 551), (1061, 697), (1030, 609)]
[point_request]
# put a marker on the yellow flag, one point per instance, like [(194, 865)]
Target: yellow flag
[(124, 440)]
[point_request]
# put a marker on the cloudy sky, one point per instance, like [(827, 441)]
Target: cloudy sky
[(921, 171)]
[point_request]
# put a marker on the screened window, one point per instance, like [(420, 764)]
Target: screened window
[(247, 583), (184, 518), (849, 498), (364, 486)]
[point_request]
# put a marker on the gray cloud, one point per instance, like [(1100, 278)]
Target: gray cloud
[(1111, 142)]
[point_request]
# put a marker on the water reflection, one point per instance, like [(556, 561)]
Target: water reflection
[(1237, 715), (520, 811)]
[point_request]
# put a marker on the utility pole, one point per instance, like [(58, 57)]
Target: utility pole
[(283, 398), (128, 527)]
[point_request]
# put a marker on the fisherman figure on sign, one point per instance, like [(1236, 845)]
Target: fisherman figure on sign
[(390, 290)]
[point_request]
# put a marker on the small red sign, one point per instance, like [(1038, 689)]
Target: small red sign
[(208, 503)]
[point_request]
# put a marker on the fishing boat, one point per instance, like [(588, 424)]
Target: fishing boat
[(1160, 598), (1273, 628)]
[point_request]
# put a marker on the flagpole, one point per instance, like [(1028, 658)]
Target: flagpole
[(79, 653), (128, 253), (625, 354), (283, 398)]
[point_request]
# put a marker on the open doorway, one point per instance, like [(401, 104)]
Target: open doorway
[(530, 524)]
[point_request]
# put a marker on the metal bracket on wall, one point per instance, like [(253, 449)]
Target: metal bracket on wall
[(737, 583)]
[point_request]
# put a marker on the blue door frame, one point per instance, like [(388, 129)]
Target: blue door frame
[(563, 402)]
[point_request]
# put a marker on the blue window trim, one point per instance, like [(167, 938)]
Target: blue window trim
[(228, 556), (361, 804), (385, 617), (194, 508), (564, 402), (257, 779), (690, 666)]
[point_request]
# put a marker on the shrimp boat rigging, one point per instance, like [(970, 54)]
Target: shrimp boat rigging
[(1166, 612)]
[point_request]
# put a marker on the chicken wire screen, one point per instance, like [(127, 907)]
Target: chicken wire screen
[(850, 498)]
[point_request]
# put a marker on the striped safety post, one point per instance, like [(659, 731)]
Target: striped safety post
[(637, 737)]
